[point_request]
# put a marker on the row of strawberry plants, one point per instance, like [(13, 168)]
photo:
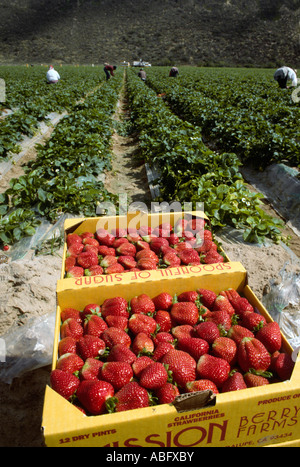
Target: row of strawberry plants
[(64, 176), (32, 100), (191, 172), (253, 119)]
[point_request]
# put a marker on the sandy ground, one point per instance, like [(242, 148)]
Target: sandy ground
[(28, 290)]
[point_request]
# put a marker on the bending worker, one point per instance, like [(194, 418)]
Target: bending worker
[(52, 76), (283, 74)]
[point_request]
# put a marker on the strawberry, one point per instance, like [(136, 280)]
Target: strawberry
[(226, 348), (173, 239), (196, 225), (153, 376), (87, 235), (119, 232), (70, 263), (163, 301), (212, 256), (75, 249), (64, 383), (222, 303), (252, 321), (67, 345), (163, 336), (145, 231), (147, 264), (76, 271), (185, 313), (157, 242), (213, 368), (94, 325), (69, 362), (252, 354), (67, 313), (90, 369), (114, 269), (131, 396), (121, 353), (189, 256), (142, 323), (167, 393), (283, 365), (108, 260), (207, 297), (116, 306), (201, 385), (113, 336), (141, 245), (73, 238), (142, 304), (104, 237), (116, 373), (208, 331), (119, 241), (221, 318), (189, 296), (147, 254), (235, 382), (90, 346), (142, 344), (270, 336), (237, 333), (104, 250), (182, 365), (87, 259), (171, 259), (252, 380), (93, 395), (126, 249), (239, 304), (163, 319), (128, 262), (140, 363), (161, 349), (94, 271), (71, 327), (90, 309), (117, 322), (180, 226), (194, 346), (184, 330)]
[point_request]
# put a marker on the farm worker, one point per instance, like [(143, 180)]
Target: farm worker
[(109, 70), (174, 72), (283, 74), (142, 74), (52, 76)]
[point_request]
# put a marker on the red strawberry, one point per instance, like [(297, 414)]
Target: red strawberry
[(222, 303), (142, 344), (104, 250), (90, 369), (86, 235), (142, 304), (167, 393), (87, 259), (75, 249), (239, 303), (126, 249), (94, 325), (147, 254), (91, 248), (76, 271), (140, 363), (189, 256), (161, 349), (171, 259), (90, 346), (117, 374), (142, 323), (147, 264), (64, 383), (226, 348), (237, 333), (163, 301), (194, 346), (73, 238), (93, 395), (153, 376), (94, 271), (208, 331), (67, 345), (185, 313), (116, 268), (108, 260), (196, 225), (116, 306), (283, 365), (189, 296), (173, 239), (163, 336), (117, 322), (212, 256), (119, 232), (163, 319), (131, 396), (270, 336), (113, 336), (252, 354), (182, 365), (213, 368), (119, 241), (90, 309), (71, 327), (128, 262), (157, 242), (207, 297), (67, 313), (252, 380), (185, 330), (252, 321), (201, 385), (235, 382), (69, 362), (141, 245), (70, 263), (104, 237), (221, 318), (121, 353)]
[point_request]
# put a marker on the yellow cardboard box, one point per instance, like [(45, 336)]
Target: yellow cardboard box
[(132, 220), (261, 416)]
